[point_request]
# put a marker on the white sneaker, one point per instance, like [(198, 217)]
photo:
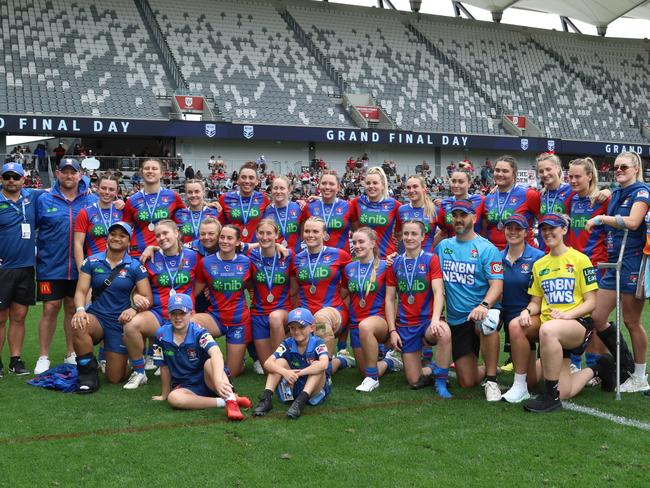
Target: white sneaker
[(635, 383), (149, 364), (136, 379), (573, 369), (397, 360), (368, 384), (71, 358), (102, 366), (257, 367), (492, 391), (42, 365), (157, 372), (516, 394), (348, 357)]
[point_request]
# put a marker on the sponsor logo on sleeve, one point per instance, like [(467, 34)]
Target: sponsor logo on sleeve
[(205, 339), (590, 275), (321, 349), (496, 267), (157, 352)]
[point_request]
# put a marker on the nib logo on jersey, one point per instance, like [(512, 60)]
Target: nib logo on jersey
[(227, 284), (493, 215), (373, 219), (278, 278), (99, 230), (237, 214), (187, 230), (418, 286), (354, 287), (182, 279), (320, 273), (159, 214)]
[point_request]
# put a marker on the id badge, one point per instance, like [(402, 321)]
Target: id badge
[(25, 231)]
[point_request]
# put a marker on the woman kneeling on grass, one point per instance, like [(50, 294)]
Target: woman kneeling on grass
[(191, 365), (416, 278), (299, 368), (563, 295), (110, 307)]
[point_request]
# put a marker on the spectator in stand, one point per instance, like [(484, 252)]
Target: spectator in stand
[(212, 164), (58, 153), (189, 172)]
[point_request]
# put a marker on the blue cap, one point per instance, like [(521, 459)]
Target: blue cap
[(13, 168), (69, 163), (301, 316), (554, 220), (464, 206), (179, 301), (122, 225), (520, 220)]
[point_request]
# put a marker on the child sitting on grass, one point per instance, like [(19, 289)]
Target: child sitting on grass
[(299, 368), (191, 364)]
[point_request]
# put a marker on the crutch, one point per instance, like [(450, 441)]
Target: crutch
[(617, 267)]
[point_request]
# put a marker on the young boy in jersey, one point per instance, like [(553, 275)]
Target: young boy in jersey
[(191, 364), (298, 368)]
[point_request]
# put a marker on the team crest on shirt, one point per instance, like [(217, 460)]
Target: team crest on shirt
[(164, 199), (384, 207), (327, 259), (122, 273), (339, 210), (421, 267), (474, 253), (513, 200), (634, 278), (569, 268), (191, 354), (240, 268), (525, 267)]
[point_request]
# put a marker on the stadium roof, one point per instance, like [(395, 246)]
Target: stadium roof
[(595, 12)]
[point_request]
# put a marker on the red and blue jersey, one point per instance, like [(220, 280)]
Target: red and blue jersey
[(337, 216), (264, 272), (554, 201), (366, 289), (591, 243), (444, 214), (142, 209), (55, 220), (178, 272), (288, 220), (226, 280), (381, 217), (16, 252), (117, 297), (408, 212), (412, 278), (94, 222), (498, 206), (244, 212), (189, 221), (325, 277), (185, 360), (621, 204)]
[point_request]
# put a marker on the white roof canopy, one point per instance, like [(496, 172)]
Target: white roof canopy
[(595, 12)]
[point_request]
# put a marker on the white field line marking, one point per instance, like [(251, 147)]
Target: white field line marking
[(617, 419)]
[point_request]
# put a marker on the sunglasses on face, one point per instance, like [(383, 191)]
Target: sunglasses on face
[(622, 167), (11, 176)]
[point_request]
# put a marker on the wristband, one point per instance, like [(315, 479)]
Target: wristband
[(393, 330), (620, 222), (485, 304), (80, 309), (597, 220), (528, 310)]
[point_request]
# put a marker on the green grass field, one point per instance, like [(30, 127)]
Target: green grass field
[(392, 436)]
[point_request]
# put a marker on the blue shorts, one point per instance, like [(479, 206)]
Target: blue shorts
[(158, 314), (200, 389), (629, 276), (235, 334), (355, 339), (412, 336), (113, 334), (260, 327), (315, 399)]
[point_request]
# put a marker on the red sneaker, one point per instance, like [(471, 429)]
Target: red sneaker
[(232, 410), (243, 402)]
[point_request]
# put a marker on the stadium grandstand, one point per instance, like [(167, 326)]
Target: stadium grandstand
[(326, 79)]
